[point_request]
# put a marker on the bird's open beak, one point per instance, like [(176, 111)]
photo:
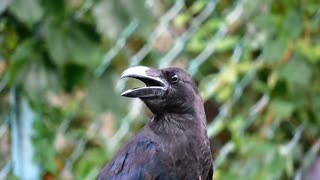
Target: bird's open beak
[(155, 86)]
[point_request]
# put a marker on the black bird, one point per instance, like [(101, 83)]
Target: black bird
[(174, 144)]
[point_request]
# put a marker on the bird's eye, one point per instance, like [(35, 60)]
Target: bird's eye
[(174, 78)]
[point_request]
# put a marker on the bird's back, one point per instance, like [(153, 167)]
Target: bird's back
[(143, 157), (137, 159)]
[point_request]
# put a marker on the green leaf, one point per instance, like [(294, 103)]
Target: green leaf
[(254, 146), (83, 51), (100, 93), (28, 71), (269, 23), (226, 43), (196, 45), (297, 73), (293, 24), (55, 38), (27, 11), (308, 50), (55, 7), (21, 56), (89, 159), (68, 43), (197, 6), (236, 123), (38, 80), (315, 105), (281, 108), (113, 16), (43, 142), (201, 40), (181, 19), (274, 50)]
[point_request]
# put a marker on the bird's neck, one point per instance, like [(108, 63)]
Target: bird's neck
[(175, 123), (188, 119)]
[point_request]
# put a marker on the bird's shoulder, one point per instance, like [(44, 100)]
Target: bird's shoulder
[(137, 159)]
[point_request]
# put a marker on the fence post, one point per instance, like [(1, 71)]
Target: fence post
[(21, 119)]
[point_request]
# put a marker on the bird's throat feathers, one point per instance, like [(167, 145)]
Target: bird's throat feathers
[(176, 123)]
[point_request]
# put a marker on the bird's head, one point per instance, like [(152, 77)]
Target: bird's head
[(168, 90)]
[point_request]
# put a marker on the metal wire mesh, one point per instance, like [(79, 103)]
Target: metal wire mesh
[(4, 139)]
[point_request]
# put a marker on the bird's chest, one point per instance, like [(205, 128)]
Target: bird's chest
[(190, 156)]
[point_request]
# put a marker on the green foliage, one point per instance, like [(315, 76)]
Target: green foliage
[(28, 12), (67, 43), (262, 70)]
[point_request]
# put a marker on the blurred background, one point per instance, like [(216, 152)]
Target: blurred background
[(257, 64)]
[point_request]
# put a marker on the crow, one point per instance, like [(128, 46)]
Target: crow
[(174, 144)]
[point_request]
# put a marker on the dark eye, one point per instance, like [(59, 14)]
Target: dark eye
[(174, 78)]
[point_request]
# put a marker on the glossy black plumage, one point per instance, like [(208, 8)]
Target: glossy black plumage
[(174, 143)]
